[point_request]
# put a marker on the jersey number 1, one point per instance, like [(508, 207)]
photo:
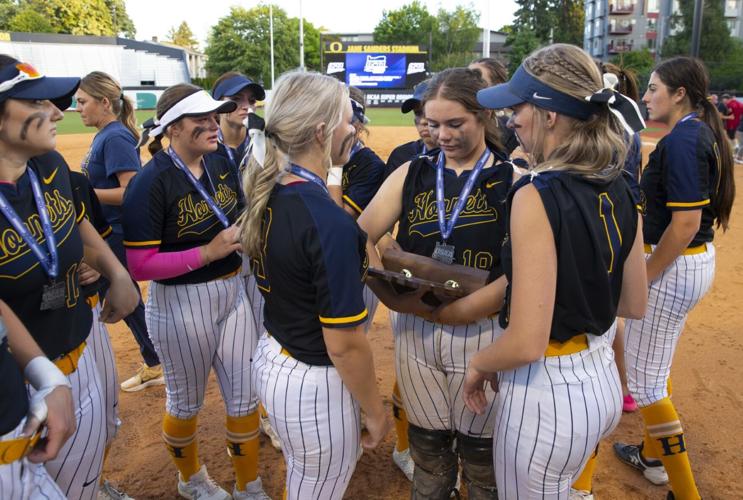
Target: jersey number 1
[(613, 235)]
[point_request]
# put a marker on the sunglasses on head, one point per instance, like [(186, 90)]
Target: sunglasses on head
[(25, 72)]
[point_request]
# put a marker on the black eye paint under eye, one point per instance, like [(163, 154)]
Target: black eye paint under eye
[(39, 116), (197, 131)]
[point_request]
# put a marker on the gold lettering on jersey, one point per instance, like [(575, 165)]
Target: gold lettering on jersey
[(476, 210), (60, 211), (193, 210)]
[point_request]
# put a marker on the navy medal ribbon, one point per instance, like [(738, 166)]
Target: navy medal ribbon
[(307, 175), (446, 229), (50, 263)]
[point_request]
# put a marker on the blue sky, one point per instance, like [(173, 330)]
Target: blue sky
[(156, 17)]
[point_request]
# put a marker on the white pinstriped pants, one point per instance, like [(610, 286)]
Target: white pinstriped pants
[(201, 326), (77, 468), (99, 343), (22, 480), (649, 343), (551, 415), (430, 361), (316, 419)]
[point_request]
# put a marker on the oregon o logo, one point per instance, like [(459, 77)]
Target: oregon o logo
[(335, 47)]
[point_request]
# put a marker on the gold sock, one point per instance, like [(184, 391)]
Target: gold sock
[(401, 420), (242, 447), (585, 480), (262, 411), (665, 431), (180, 439)]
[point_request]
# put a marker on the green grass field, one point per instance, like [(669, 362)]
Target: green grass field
[(379, 117)]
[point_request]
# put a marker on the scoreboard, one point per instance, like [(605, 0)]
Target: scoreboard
[(385, 71)]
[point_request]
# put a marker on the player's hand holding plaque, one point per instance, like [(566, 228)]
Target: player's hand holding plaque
[(446, 282)]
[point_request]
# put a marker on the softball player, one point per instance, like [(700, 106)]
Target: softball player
[(179, 216), (558, 387), (233, 127), (352, 187), (22, 473), (688, 187), (99, 341), (314, 369), (448, 206), (111, 162), (406, 152), (39, 272), (234, 140)]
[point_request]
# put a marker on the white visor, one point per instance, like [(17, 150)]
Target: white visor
[(198, 103)]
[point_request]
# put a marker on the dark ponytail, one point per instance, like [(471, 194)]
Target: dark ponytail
[(691, 74), (627, 79)]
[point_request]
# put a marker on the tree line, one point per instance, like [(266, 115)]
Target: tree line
[(240, 40)]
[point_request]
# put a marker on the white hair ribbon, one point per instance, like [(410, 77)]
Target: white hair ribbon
[(610, 81), (257, 146), (621, 106)]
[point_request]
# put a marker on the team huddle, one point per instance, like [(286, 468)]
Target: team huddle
[(263, 241)]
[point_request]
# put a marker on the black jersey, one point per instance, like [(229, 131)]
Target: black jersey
[(683, 173), (403, 153), (22, 278), (13, 396), (480, 229), (90, 205), (594, 226), (311, 271), (163, 210), (362, 176)]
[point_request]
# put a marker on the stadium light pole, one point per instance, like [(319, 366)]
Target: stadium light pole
[(696, 29), (486, 31), (270, 31), (301, 38)]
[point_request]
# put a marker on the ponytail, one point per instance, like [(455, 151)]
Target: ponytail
[(127, 116), (258, 183), (724, 195), (299, 102), (156, 145)]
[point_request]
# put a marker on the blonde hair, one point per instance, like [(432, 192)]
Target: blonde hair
[(593, 148), (299, 102), (99, 85)]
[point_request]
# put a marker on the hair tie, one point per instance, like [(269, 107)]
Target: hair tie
[(121, 96)]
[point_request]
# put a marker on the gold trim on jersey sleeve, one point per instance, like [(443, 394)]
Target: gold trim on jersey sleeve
[(352, 204), (141, 243), (107, 232), (688, 204), (346, 319), (81, 215)]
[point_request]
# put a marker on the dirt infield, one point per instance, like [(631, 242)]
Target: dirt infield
[(706, 382)]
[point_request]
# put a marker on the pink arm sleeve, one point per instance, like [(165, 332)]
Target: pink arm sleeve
[(150, 264)]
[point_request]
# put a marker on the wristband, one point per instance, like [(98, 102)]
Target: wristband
[(335, 176), (43, 374)]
